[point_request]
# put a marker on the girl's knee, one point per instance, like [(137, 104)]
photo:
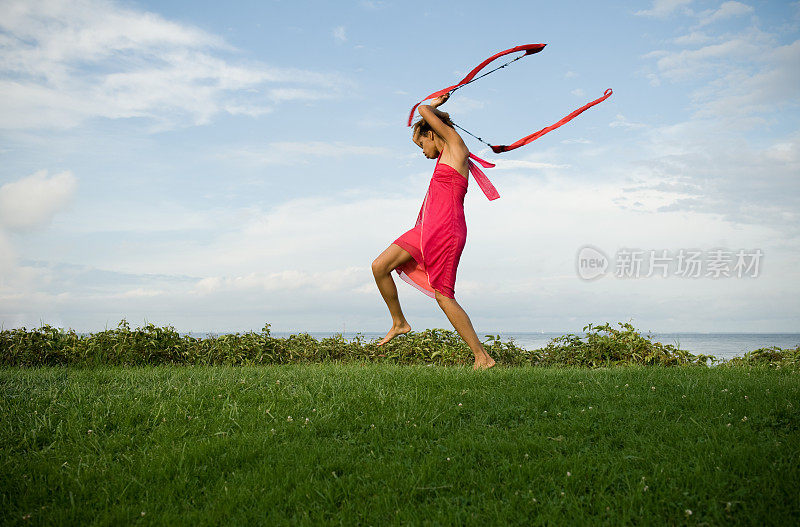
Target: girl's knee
[(442, 299), (380, 266)]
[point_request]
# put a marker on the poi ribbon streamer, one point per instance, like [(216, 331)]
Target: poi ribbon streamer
[(529, 49), (497, 149)]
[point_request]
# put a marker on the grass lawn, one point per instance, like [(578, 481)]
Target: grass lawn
[(380, 444)]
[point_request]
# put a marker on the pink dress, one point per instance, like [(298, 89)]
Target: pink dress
[(438, 238)]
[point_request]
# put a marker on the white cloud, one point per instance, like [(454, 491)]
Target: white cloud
[(273, 270), (767, 86), (63, 62), (343, 280), (687, 64), (32, 201), (460, 105), (656, 54), (8, 257), (663, 8), (578, 92), (748, 74), (704, 167), (726, 10), (340, 34), (141, 292), (372, 4), (27, 204), (299, 94), (515, 164), (157, 216), (294, 153), (622, 122), (695, 38)]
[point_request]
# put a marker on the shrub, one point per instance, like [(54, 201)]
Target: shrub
[(601, 346)]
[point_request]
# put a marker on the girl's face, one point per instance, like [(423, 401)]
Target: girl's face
[(427, 144)]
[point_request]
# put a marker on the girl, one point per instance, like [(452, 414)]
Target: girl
[(427, 256)]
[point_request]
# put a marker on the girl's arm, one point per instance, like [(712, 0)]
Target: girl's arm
[(430, 114)]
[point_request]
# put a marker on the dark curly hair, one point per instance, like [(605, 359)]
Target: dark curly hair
[(421, 126)]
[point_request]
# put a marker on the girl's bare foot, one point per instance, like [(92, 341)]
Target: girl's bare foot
[(483, 363), (402, 329)]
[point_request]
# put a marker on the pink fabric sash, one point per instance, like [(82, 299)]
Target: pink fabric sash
[(480, 178)]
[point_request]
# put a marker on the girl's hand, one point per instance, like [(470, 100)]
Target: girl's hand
[(438, 101)]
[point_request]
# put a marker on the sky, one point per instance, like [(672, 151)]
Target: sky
[(221, 166)]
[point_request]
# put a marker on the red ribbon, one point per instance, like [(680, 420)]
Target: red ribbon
[(529, 49), (533, 137)]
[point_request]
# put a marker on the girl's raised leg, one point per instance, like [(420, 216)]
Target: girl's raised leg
[(382, 268)]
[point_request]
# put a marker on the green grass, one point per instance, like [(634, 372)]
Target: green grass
[(389, 444)]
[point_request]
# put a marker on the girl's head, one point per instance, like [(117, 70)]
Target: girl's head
[(425, 138)]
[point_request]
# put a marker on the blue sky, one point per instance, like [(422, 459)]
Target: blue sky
[(217, 166)]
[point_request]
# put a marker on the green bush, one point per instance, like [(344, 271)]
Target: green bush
[(601, 346), (772, 357), (605, 346)]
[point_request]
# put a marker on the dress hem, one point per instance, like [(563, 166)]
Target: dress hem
[(408, 279)]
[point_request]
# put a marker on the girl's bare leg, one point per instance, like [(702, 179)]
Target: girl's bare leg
[(463, 325), (382, 268)]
